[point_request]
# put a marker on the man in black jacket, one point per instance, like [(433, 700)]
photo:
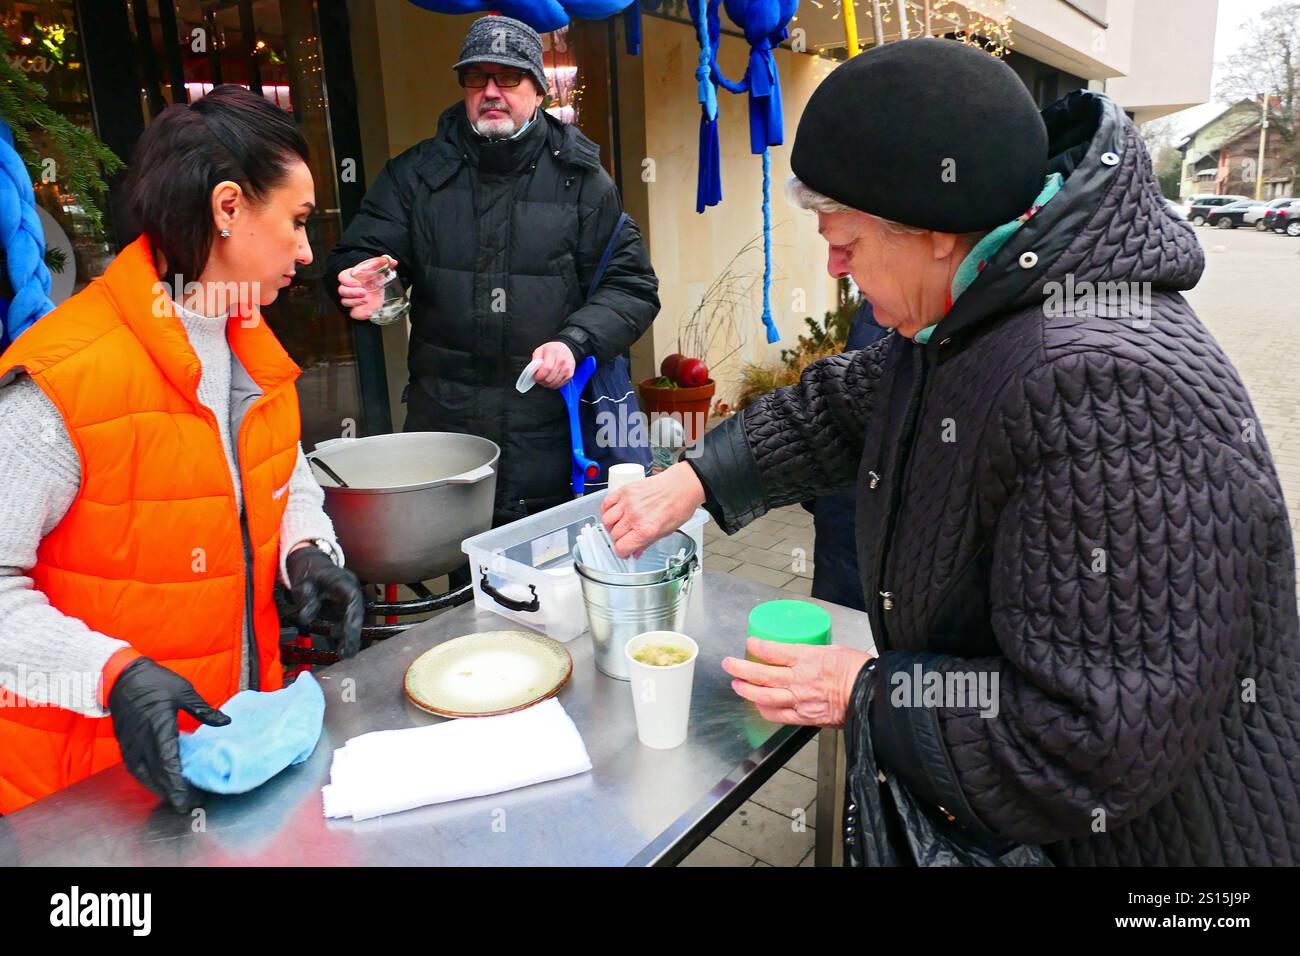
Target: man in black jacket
[(497, 224), (1077, 559)]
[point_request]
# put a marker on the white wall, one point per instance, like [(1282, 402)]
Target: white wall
[(1175, 60)]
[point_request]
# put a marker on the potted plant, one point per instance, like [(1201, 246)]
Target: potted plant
[(685, 386)]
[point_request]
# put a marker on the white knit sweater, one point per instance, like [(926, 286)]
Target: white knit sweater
[(46, 656)]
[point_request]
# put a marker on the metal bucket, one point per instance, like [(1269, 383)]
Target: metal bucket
[(617, 613)]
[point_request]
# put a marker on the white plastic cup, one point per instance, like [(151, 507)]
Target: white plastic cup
[(661, 696), (624, 473)]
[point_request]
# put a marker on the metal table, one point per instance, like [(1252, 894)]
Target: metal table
[(636, 806)]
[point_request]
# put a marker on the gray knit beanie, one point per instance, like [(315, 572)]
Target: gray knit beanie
[(508, 42)]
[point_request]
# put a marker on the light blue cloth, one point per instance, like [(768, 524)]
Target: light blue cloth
[(267, 732)]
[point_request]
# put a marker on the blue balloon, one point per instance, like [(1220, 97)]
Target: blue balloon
[(542, 15)]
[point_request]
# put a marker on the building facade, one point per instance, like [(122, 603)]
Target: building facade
[(369, 78)]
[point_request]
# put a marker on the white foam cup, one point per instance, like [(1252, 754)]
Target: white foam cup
[(661, 696)]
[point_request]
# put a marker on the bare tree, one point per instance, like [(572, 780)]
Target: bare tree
[(1268, 62)]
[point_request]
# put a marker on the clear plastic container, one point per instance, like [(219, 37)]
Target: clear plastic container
[(527, 566)]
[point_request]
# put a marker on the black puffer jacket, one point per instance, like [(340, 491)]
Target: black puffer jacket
[(1080, 503), (499, 243)]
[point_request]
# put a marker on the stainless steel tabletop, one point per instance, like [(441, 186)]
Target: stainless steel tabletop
[(636, 806)]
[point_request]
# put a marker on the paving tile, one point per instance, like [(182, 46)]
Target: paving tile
[(716, 853), (766, 835), (762, 575), (776, 560), (787, 792), (789, 515), (799, 585), (805, 761), (727, 546), (799, 518), (720, 562), (808, 858), (796, 538)]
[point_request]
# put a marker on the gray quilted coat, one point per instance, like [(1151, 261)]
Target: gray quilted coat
[(1072, 497)]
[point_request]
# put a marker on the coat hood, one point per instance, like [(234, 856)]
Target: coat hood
[(1108, 223)]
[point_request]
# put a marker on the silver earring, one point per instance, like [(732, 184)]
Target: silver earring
[(225, 233)]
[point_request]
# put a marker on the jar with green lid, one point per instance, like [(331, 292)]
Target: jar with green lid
[(790, 622)]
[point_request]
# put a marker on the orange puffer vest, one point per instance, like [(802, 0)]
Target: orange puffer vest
[(151, 551)]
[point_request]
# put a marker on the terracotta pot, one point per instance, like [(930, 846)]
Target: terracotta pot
[(690, 406)]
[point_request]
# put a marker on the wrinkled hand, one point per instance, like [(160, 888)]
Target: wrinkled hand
[(557, 364), (639, 514), (801, 683), (360, 302), (143, 705), (313, 579)]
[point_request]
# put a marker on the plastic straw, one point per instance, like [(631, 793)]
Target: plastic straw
[(597, 550)]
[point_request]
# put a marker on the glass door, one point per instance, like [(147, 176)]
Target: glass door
[(46, 46), (274, 48)]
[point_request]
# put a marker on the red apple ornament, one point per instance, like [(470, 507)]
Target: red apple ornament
[(692, 373), (668, 367)]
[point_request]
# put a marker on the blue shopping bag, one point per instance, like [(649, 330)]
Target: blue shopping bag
[(614, 431)]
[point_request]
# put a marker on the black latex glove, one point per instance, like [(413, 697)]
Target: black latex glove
[(314, 578), (143, 705)]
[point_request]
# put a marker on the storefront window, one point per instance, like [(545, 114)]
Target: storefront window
[(562, 72), (273, 47), (577, 62), (47, 49)]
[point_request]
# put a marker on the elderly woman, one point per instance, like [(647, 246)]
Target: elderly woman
[(1063, 495)]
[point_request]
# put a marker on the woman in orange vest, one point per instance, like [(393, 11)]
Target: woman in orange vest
[(154, 485)]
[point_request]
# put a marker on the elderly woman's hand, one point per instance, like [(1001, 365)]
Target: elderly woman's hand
[(800, 684), (639, 514)]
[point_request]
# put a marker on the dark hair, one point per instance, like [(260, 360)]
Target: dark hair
[(229, 134)]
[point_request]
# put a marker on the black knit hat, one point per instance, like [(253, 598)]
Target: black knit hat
[(503, 40), (927, 132)]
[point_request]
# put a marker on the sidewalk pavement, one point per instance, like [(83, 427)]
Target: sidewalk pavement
[(775, 827)]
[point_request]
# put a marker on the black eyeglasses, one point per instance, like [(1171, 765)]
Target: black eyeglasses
[(505, 79)]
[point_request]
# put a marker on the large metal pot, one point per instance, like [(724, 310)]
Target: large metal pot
[(411, 498)]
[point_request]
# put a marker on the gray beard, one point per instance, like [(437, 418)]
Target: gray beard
[(497, 130)]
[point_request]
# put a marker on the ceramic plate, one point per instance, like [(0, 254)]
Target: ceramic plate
[(494, 672)]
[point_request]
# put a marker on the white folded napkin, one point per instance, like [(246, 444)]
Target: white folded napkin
[(392, 770)]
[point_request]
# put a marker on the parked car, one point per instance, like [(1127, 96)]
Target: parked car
[(1175, 208), (1233, 214), (1203, 205), (1288, 220), (1269, 219), (1255, 216)]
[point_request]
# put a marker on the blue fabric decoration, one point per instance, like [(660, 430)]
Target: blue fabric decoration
[(632, 27), (267, 732), (542, 15), (23, 239), (765, 24), (772, 334)]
